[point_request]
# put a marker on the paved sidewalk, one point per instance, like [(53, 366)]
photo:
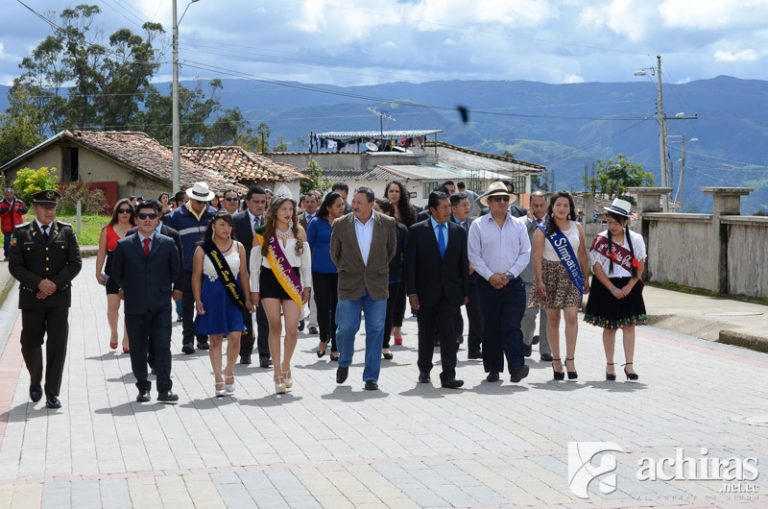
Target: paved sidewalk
[(409, 445)]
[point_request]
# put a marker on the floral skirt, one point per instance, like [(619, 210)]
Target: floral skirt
[(605, 310), (561, 292)]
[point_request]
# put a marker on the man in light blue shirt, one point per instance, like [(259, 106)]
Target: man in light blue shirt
[(499, 250)]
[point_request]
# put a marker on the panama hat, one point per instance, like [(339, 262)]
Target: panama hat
[(619, 207), (495, 189), (200, 192)]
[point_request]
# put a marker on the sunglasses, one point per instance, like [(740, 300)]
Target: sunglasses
[(232, 199), (146, 216), (124, 211), (498, 199)]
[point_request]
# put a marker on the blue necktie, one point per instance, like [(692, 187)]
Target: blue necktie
[(441, 239)]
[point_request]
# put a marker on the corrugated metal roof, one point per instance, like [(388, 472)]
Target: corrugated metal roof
[(376, 134), (440, 171)]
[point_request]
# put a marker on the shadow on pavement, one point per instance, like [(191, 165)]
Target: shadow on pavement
[(209, 403), (103, 357), (344, 393), (497, 388), (126, 378), (272, 400), (618, 386), (131, 408), (24, 411), (427, 391)]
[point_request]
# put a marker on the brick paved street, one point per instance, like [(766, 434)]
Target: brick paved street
[(409, 445)]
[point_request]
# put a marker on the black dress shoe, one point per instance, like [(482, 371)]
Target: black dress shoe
[(203, 345), (341, 374), (452, 384), (493, 376), (143, 396), (424, 378), (370, 385), (545, 357), (519, 374), (528, 350), (313, 330), (167, 397), (35, 393), (475, 355), (535, 340), (265, 362), (52, 402), (187, 348), (245, 359)]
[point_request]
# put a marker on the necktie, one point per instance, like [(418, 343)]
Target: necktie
[(441, 239), (45, 232), (146, 246)]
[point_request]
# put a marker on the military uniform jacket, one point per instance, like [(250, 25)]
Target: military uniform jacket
[(32, 259)]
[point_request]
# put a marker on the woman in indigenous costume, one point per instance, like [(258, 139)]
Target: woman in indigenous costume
[(281, 279), (220, 288), (616, 302), (559, 263)]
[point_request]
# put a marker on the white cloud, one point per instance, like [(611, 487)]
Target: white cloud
[(745, 55), (711, 14), (573, 78), (630, 18)]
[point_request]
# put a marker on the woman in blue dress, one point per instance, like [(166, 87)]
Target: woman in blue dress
[(221, 290)]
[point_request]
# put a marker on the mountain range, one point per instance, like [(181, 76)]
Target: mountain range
[(563, 127)]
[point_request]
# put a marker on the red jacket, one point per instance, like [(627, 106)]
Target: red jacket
[(12, 213)]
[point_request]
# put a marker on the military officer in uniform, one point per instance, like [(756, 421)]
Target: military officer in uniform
[(44, 258)]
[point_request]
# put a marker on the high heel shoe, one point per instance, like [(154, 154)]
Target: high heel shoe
[(126, 349), (630, 376), (321, 354), (572, 375), (288, 382), (229, 384), (387, 354), (220, 390), (335, 356), (558, 375), (280, 386), (398, 340), (113, 344), (611, 377)]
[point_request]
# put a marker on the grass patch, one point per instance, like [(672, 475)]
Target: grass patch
[(706, 293), (90, 227)]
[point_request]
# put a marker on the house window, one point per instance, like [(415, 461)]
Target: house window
[(429, 187), (70, 164)]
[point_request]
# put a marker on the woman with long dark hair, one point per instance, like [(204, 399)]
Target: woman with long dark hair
[(396, 273), (121, 221), (217, 262), (561, 268), (405, 214), (616, 301), (324, 277), (281, 280)]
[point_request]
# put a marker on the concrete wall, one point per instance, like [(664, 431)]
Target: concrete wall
[(747, 267), (353, 161)]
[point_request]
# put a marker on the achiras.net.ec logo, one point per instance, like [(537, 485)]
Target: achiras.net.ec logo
[(589, 461)]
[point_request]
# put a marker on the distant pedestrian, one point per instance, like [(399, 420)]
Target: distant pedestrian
[(12, 212), (122, 220), (460, 214), (221, 289), (362, 245), (499, 250), (145, 266), (343, 190), (560, 263), (616, 300), (472, 196), (405, 214), (230, 201), (44, 258)]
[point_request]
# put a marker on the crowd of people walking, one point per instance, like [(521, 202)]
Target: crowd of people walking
[(252, 270)]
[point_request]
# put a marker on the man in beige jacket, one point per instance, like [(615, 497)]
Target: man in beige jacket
[(362, 245)]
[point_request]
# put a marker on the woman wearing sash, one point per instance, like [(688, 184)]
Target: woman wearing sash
[(618, 260), (220, 287), (281, 279), (559, 264)]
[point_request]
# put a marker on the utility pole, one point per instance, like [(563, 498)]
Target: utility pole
[(682, 172), (662, 134), (175, 100)]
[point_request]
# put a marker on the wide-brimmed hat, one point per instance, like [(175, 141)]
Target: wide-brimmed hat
[(495, 189), (45, 197), (619, 207), (200, 192)]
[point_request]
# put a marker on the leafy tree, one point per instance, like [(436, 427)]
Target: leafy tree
[(316, 178), (613, 177), (29, 181), (263, 132), (20, 132)]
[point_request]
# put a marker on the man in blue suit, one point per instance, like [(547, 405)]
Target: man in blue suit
[(145, 266)]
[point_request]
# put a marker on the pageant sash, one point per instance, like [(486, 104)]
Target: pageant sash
[(225, 275), (567, 257), (282, 269), (619, 254)]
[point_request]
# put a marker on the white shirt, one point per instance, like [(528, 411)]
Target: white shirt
[(572, 234), (498, 250), (303, 263), (41, 225), (638, 246), (364, 234)]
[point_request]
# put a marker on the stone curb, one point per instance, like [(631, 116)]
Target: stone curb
[(756, 343)]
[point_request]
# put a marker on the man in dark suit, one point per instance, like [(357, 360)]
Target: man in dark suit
[(362, 245), (44, 258), (437, 275), (310, 204), (460, 214), (145, 266), (246, 223)]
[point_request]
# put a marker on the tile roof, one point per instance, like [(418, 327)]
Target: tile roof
[(241, 165), (146, 155)]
